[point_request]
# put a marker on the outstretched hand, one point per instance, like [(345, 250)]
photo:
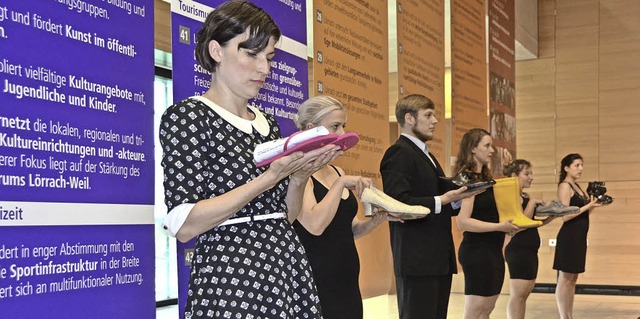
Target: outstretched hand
[(594, 203), (301, 165), (459, 194), (319, 158), (382, 215), (508, 227)]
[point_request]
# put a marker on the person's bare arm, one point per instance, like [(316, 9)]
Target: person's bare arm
[(564, 195), (301, 175), (316, 216), (209, 213), (468, 223)]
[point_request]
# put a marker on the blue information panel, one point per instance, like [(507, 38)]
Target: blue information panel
[(285, 88), (76, 159)]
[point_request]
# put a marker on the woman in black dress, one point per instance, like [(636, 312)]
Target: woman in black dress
[(480, 252), (571, 248), (522, 251), (248, 261), (327, 224)]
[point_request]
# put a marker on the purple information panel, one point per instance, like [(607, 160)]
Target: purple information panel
[(76, 159), (287, 85), (285, 88)]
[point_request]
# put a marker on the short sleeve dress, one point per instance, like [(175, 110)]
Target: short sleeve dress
[(256, 269), (334, 259), (522, 252), (571, 245), (480, 254)]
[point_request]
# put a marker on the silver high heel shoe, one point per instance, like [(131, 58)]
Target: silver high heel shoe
[(372, 196)]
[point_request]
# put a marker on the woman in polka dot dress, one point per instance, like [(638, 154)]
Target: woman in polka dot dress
[(248, 261)]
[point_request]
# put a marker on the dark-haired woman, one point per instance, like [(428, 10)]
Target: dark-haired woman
[(522, 251), (571, 248), (480, 252), (248, 261)]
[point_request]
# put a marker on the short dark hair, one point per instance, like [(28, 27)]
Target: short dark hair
[(229, 20), (412, 104)]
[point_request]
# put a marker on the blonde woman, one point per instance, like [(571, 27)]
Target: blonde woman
[(327, 224)]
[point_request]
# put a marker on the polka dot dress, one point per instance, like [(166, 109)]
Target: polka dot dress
[(247, 270)]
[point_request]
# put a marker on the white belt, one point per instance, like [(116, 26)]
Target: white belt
[(253, 218)]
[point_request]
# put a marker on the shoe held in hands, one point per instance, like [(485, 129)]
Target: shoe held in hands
[(347, 141), (303, 141), (597, 190), (465, 179), (555, 208), (372, 196), (506, 192)]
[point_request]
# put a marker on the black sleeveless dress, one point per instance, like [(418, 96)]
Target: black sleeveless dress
[(334, 259), (522, 252), (480, 254), (571, 245)]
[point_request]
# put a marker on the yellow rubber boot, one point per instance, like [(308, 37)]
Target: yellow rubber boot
[(506, 192)]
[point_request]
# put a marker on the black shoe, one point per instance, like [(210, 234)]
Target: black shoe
[(471, 180), (462, 179), (605, 199), (596, 189), (593, 185)]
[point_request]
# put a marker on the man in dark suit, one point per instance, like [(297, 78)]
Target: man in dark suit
[(423, 251)]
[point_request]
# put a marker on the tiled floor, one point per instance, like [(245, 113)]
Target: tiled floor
[(539, 306)]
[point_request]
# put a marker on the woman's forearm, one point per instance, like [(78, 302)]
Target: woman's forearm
[(363, 227), (476, 226), (209, 213), (295, 193), (315, 218)]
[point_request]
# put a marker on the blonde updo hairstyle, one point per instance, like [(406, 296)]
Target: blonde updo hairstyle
[(313, 110)]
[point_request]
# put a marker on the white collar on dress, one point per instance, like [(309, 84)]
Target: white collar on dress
[(260, 123)]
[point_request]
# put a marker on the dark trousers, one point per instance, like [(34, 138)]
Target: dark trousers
[(423, 297)]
